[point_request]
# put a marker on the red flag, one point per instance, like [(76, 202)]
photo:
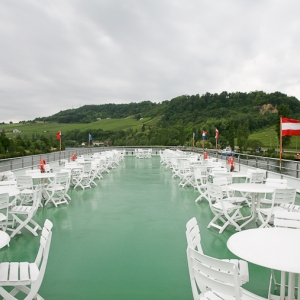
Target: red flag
[(290, 127), (217, 133), (58, 135)]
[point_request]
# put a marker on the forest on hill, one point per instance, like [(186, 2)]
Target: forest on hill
[(235, 115)]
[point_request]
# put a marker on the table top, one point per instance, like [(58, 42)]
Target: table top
[(8, 182), (10, 189), (4, 239), (42, 175), (252, 188), (274, 248)]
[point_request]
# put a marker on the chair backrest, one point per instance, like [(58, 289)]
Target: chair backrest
[(4, 204), (282, 196), (24, 182), (214, 192), (213, 275), (193, 235), (218, 180), (42, 257), (256, 177), (4, 200), (287, 219)]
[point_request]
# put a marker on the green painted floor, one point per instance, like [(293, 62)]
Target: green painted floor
[(125, 238)]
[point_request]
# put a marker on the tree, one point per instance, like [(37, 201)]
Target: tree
[(253, 144)]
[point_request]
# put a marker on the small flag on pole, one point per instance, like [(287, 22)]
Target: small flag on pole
[(217, 134), (194, 135), (204, 134), (58, 135), (290, 127), (90, 137)]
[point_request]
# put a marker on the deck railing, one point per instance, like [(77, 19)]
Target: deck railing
[(288, 167)]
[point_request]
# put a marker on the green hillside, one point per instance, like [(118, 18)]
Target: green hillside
[(246, 120)]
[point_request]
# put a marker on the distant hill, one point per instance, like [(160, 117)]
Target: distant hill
[(259, 108)]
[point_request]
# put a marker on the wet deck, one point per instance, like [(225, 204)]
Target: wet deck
[(125, 238)]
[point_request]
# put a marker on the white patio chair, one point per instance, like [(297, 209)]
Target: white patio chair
[(22, 215), (280, 196), (213, 278), (225, 211), (285, 219), (194, 241), (58, 189), (278, 183), (26, 187), (76, 176), (4, 203), (27, 277), (255, 176), (184, 171), (200, 181)]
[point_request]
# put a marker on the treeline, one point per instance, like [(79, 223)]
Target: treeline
[(21, 146), (235, 115), (257, 107)]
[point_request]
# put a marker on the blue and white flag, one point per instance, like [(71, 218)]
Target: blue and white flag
[(90, 137), (194, 135)]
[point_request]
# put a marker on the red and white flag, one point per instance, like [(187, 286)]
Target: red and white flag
[(217, 133), (290, 127), (58, 135)]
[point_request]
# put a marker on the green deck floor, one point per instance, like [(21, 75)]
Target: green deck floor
[(125, 238)]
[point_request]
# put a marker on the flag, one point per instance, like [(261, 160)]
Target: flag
[(217, 133), (194, 135), (290, 127), (58, 135), (90, 137), (204, 134)]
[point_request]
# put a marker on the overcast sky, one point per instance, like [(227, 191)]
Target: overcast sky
[(61, 54)]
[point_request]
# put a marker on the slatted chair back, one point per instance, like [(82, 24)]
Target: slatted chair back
[(213, 276), (193, 236), (287, 219), (4, 203), (27, 277)]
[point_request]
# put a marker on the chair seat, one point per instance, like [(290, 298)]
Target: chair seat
[(227, 205), (18, 273), (21, 209)]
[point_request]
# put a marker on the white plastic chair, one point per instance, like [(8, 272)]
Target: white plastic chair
[(226, 212), (26, 187), (280, 196), (4, 203), (58, 189), (22, 215), (27, 277), (213, 278), (194, 241), (200, 181), (283, 219)]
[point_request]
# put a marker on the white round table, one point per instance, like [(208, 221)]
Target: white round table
[(254, 189), (4, 239), (274, 248)]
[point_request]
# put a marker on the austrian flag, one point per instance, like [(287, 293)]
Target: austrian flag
[(290, 127)]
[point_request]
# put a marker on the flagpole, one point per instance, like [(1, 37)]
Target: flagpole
[(60, 142), (280, 157)]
